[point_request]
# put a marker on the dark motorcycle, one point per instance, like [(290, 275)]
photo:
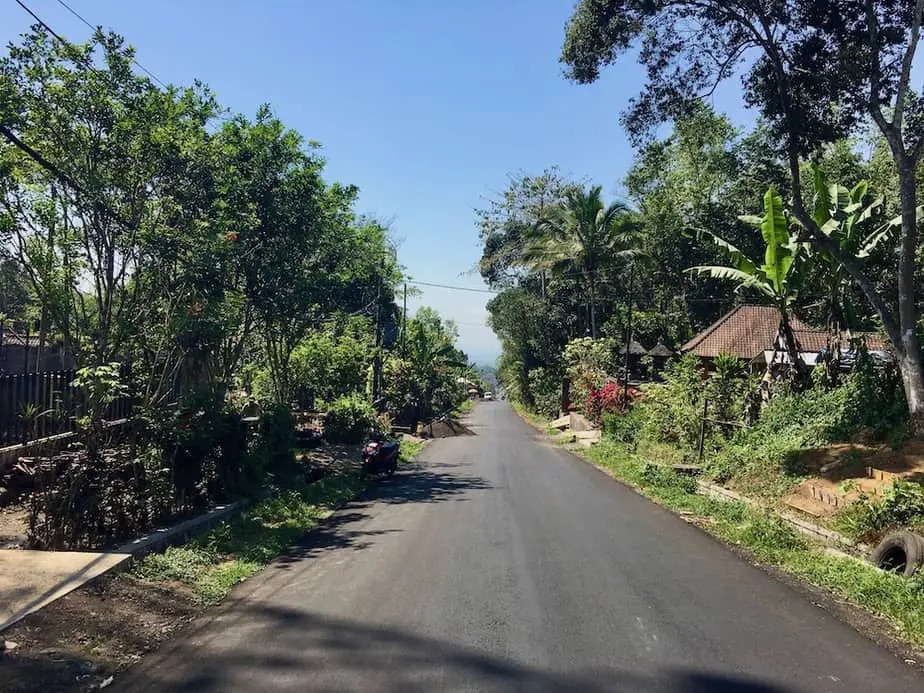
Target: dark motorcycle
[(380, 457)]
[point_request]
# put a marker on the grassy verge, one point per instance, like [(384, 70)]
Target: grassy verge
[(464, 408), (773, 542), (534, 419), (410, 448), (212, 563)]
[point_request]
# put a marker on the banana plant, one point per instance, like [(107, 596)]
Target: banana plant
[(778, 278), (856, 226)]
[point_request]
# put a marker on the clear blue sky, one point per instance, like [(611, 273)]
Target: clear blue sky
[(426, 105)]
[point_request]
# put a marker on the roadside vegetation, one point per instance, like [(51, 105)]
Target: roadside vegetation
[(212, 563), (771, 541), (812, 214), (205, 284)]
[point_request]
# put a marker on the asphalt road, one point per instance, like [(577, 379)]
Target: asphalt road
[(503, 564)]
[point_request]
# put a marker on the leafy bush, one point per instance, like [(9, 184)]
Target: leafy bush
[(902, 505), (333, 361), (589, 362), (770, 532), (864, 403), (876, 403), (545, 387), (349, 419), (625, 427), (204, 445), (675, 407), (274, 453), (727, 389), (181, 563), (610, 399), (662, 476), (82, 500)]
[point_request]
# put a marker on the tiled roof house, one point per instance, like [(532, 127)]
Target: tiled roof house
[(751, 333)]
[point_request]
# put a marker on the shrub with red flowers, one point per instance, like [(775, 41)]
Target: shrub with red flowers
[(612, 398)]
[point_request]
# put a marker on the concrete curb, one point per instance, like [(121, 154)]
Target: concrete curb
[(170, 536), (99, 563)]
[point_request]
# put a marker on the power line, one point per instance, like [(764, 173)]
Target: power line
[(60, 38), (135, 62), (41, 21), (454, 288), (35, 155)]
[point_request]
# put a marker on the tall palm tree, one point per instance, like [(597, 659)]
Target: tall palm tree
[(581, 236)]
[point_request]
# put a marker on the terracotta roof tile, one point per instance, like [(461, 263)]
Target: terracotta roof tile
[(748, 331), (745, 332), (816, 340)]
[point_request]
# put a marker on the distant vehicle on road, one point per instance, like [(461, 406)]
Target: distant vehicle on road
[(488, 395)]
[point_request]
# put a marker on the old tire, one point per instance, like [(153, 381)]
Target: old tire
[(900, 552)]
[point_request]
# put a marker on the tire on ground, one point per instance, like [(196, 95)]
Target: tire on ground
[(899, 552)]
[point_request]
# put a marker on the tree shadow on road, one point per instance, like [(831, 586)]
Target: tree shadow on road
[(427, 483), (416, 483), (291, 650)]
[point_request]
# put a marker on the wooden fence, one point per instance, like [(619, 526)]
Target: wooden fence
[(39, 405)]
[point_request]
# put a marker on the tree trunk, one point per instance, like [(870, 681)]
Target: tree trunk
[(909, 356), (792, 348), (593, 309)]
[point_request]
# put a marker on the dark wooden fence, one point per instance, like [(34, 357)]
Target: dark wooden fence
[(38, 405)]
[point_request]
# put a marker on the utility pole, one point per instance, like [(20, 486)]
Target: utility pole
[(377, 360), (625, 385), (404, 326)]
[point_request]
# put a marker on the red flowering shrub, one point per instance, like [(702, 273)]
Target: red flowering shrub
[(612, 398)]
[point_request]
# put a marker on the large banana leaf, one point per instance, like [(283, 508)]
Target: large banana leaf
[(883, 233), (744, 279), (738, 258), (779, 256), (821, 212)]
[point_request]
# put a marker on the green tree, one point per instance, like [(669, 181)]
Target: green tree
[(87, 209), (533, 332), (855, 223), (699, 176), (506, 223), (425, 374), (799, 68), (581, 236)]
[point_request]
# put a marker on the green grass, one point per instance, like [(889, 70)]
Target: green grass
[(771, 541), (539, 421), (212, 563), (410, 448), (464, 408)]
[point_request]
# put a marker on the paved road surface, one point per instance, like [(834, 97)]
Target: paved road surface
[(501, 564)]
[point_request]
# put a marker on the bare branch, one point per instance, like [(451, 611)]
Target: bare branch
[(906, 64), (875, 77)]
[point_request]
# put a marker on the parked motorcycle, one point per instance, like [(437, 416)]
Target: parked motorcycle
[(380, 457)]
